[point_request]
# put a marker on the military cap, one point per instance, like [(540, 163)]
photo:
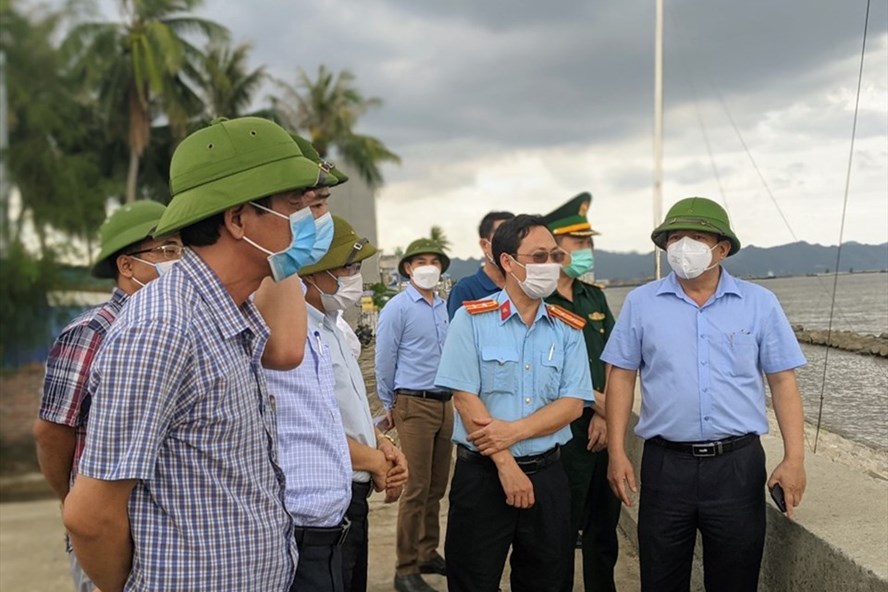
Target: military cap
[(570, 218), (700, 214), (346, 248), (422, 246), (231, 162), (128, 225), (330, 175)]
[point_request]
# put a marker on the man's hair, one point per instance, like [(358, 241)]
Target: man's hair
[(485, 229), (509, 235), (206, 232)]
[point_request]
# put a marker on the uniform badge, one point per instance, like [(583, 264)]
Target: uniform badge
[(596, 316), (505, 310)]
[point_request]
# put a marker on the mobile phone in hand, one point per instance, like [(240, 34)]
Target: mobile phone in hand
[(777, 496)]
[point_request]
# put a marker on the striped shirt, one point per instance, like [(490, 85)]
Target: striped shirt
[(181, 405), (314, 451), (65, 398)]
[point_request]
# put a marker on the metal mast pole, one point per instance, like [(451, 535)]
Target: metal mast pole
[(658, 128)]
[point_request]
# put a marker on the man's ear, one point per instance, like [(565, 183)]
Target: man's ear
[(506, 262), (124, 266), (234, 221)]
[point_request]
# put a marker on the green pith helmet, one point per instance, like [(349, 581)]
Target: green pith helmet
[(347, 247), (330, 175), (231, 162), (696, 213), (128, 225), (421, 246), (570, 218)]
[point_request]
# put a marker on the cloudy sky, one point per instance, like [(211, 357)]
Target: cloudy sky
[(520, 105)]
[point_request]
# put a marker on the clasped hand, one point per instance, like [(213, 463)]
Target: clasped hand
[(494, 436)]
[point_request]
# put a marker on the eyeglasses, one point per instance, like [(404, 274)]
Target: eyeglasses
[(167, 252), (352, 268), (556, 256)]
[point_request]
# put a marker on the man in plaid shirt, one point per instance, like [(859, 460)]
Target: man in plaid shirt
[(131, 257), (180, 486)]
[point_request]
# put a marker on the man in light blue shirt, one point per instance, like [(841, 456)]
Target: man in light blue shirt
[(334, 284), (410, 335), (520, 375), (701, 340)]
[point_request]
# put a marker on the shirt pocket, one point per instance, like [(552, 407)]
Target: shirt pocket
[(549, 380), (499, 370), (742, 353)]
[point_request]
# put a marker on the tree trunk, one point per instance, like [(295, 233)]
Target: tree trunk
[(132, 176)]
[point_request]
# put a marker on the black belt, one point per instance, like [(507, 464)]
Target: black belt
[(528, 464), (436, 395), (332, 536), (707, 449), (361, 489)]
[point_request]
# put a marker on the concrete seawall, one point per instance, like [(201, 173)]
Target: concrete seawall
[(838, 540), (866, 345)]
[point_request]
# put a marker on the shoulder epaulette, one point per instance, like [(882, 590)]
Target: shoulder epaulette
[(575, 321), (474, 307)]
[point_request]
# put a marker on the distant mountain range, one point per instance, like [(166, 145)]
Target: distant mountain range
[(799, 258)]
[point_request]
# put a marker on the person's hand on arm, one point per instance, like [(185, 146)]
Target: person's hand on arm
[(496, 435), (790, 473), (96, 517), (397, 475), (516, 484), (282, 305), (620, 396)]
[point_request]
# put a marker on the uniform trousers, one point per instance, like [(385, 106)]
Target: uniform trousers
[(424, 428), (355, 547), (723, 497), (481, 528), (594, 509)]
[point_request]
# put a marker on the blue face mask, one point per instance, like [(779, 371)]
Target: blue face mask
[(323, 238), (581, 261), (288, 262)]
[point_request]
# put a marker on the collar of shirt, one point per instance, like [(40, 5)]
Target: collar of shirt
[(230, 319), (416, 296), (485, 280), (508, 309), (118, 298), (726, 285)]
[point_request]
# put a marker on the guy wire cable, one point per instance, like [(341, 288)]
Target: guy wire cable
[(842, 224)]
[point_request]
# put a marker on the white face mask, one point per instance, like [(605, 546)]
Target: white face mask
[(425, 276), (689, 258), (161, 267), (541, 280), (349, 289)]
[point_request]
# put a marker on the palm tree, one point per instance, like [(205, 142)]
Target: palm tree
[(328, 109), (437, 234), (142, 67), (226, 82)]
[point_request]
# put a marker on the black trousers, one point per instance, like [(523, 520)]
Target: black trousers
[(319, 569), (722, 497), (481, 528), (594, 509), (355, 548)]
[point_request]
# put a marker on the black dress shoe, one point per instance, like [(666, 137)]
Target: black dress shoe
[(435, 565), (412, 583)]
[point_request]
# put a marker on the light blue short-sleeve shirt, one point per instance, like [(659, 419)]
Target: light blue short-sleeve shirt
[(515, 369), (702, 367)]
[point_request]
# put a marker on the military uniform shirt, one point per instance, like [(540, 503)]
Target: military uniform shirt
[(701, 367), (589, 302), (514, 369)]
